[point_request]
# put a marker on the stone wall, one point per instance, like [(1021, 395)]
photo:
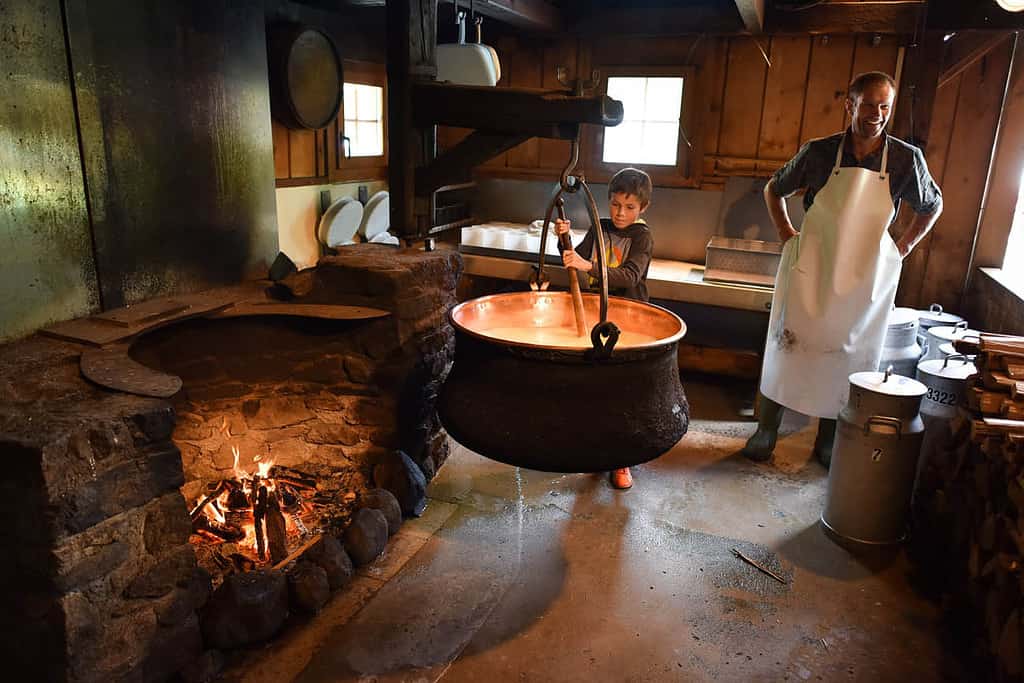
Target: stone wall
[(100, 581)]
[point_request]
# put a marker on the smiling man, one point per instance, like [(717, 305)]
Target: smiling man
[(838, 275)]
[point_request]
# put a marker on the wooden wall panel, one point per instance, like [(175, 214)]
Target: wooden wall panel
[(870, 55), (302, 153), (526, 67), (963, 182), (828, 76), (787, 82), (282, 168), (744, 90), (943, 115), (713, 68), (554, 154)]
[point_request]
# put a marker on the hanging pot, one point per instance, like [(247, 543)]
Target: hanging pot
[(526, 390), (946, 380)]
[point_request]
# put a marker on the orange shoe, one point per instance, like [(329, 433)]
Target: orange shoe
[(621, 479)]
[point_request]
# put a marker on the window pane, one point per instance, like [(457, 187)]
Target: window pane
[(368, 139), (660, 142), (649, 133), (350, 100), (1013, 261), (629, 91), (664, 97)]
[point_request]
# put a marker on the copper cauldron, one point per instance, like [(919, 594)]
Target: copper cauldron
[(525, 390)]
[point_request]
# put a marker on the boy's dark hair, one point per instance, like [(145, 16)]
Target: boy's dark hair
[(632, 181), (859, 84)]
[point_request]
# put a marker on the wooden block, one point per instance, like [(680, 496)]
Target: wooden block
[(113, 368)]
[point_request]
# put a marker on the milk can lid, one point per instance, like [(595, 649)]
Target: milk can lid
[(902, 316), (949, 333), (889, 384), (956, 366), (934, 315)]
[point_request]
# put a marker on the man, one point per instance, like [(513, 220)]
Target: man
[(838, 275)]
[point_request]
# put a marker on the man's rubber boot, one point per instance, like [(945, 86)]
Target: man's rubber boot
[(824, 441), (621, 479), (760, 446)]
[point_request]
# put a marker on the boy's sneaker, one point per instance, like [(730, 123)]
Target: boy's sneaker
[(621, 479)]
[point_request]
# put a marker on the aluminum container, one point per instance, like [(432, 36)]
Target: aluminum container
[(900, 349), (751, 262), (932, 317), (946, 380), (938, 335), (874, 460)]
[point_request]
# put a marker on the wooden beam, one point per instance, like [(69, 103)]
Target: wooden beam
[(752, 14), (510, 110), (965, 48), (646, 21), (456, 164), (959, 15), (533, 15), (869, 16)]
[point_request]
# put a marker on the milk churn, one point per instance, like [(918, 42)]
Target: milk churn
[(875, 459), (932, 317), (900, 349), (938, 335), (946, 381)]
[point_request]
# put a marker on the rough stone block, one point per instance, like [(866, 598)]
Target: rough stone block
[(173, 570), (385, 501), (276, 412), (204, 669), (333, 433), (308, 588), (332, 558), (183, 601), (167, 524), (360, 369), (366, 536), (247, 608), (172, 648), (326, 370), (403, 477)]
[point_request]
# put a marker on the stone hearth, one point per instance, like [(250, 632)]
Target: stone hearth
[(101, 580)]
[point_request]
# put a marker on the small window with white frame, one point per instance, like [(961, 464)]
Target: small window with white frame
[(649, 132), (364, 119), (1014, 256)]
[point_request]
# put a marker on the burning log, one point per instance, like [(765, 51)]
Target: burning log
[(277, 533), (220, 531), (259, 511), (197, 511)]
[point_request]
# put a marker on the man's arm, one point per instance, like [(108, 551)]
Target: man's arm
[(778, 212), (917, 229)]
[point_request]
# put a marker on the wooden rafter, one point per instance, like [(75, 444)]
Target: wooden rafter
[(870, 16), (534, 15), (965, 49), (752, 14)]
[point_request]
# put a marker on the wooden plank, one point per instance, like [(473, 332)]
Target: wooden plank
[(939, 137), (505, 47), (916, 97), (894, 17), (324, 311), (526, 71), (1004, 181), (787, 83), (302, 153), (532, 15), (554, 154), (827, 79), (282, 167), (744, 92), (716, 56), (971, 147), (113, 368), (875, 53)]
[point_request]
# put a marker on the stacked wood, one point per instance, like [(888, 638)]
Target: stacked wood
[(970, 529)]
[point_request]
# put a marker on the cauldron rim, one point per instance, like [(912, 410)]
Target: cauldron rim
[(615, 301)]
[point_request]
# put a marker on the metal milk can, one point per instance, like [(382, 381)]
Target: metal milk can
[(932, 317), (946, 382), (874, 460), (900, 349), (938, 335)]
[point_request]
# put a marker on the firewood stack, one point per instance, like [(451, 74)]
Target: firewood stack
[(969, 510)]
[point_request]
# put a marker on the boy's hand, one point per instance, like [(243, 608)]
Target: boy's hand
[(561, 226), (570, 259)]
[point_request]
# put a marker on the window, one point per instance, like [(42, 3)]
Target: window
[(364, 119), (1014, 258), (360, 149), (649, 132)]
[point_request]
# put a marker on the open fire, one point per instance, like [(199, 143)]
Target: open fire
[(257, 516)]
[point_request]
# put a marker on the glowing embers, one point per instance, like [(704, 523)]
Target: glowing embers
[(260, 514)]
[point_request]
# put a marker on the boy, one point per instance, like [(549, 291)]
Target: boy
[(629, 244)]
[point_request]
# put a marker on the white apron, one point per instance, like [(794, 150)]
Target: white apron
[(837, 281)]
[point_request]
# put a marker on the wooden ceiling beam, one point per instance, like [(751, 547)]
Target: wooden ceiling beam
[(534, 15), (752, 14), (965, 49), (870, 16)]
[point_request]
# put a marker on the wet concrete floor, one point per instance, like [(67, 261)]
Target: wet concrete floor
[(516, 575)]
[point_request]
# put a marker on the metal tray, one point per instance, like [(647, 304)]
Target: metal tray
[(751, 262)]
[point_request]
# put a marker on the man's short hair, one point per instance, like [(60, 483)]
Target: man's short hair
[(859, 84), (632, 181)]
